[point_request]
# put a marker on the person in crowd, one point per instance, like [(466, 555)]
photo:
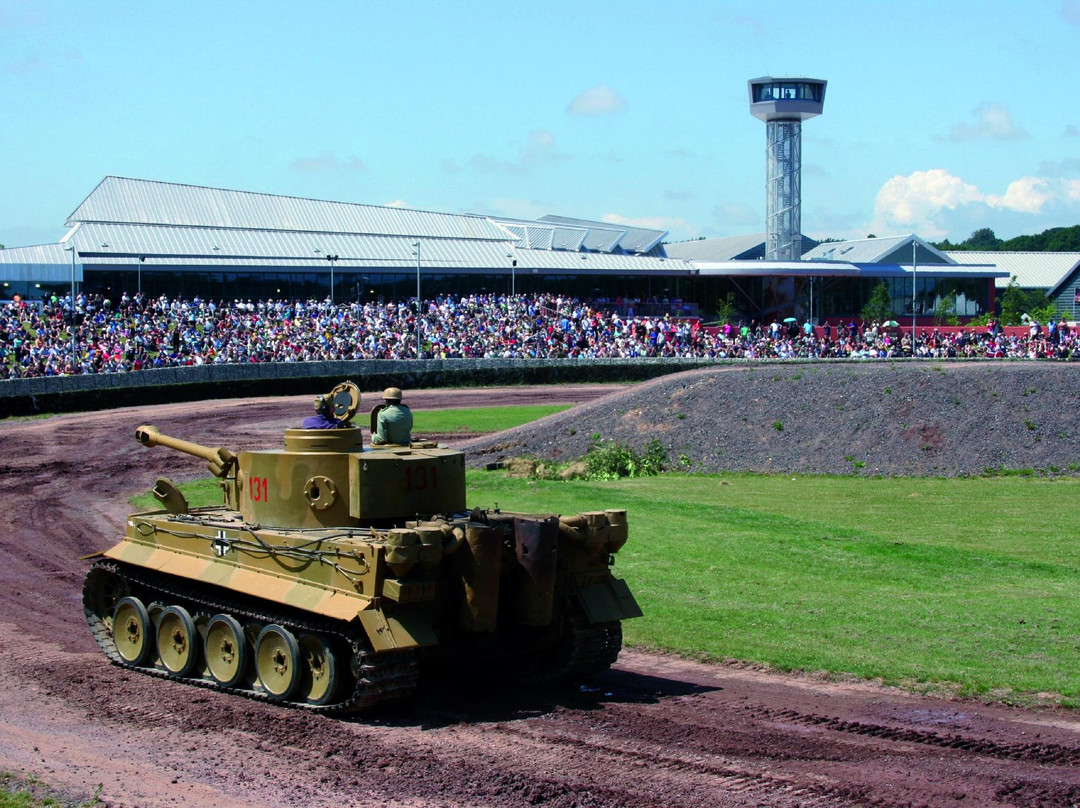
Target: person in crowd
[(136, 332)]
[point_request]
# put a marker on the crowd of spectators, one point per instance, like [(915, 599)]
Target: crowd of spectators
[(136, 332)]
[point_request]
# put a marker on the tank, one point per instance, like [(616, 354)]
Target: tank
[(334, 573)]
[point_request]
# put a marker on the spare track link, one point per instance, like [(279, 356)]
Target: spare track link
[(382, 678)]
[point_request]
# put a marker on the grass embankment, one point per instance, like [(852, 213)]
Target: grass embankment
[(960, 585)]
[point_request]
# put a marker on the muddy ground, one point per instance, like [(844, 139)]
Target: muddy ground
[(654, 731)]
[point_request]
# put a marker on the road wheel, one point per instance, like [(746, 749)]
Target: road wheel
[(226, 650), (319, 683), (132, 631), (177, 641), (278, 662)]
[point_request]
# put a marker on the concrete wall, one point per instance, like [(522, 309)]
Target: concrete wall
[(160, 386)]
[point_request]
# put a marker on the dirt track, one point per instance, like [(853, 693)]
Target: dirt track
[(654, 731)]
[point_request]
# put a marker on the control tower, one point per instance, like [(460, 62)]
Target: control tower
[(784, 104)]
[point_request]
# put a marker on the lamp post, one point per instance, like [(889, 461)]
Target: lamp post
[(913, 246), (74, 351), (513, 267), (416, 244), (141, 259), (332, 258)]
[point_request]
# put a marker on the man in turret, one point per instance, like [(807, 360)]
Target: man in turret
[(394, 421), (324, 415)]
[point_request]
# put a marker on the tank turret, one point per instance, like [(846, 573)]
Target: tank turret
[(327, 478), (333, 570)]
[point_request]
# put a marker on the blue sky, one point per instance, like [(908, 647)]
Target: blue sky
[(940, 117)]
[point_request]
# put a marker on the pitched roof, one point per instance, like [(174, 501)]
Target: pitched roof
[(120, 200), (1033, 270), (730, 248), (890, 250), (631, 239)]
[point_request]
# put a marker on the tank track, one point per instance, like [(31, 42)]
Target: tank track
[(381, 679), (597, 648), (584, 650)]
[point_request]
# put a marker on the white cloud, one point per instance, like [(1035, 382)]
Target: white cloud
[(598, 100), (397, 203), (327, 162), (994, 122), (916, 199), (1060, 168), (679, 196), (736, 215), (753, 24), (539, 150), (31, 65), (935, 203), (1027, 194), (1070, 11)]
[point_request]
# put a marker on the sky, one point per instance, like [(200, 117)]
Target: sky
[(940, 117)]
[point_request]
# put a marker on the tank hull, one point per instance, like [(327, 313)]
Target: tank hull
[(343, 619)]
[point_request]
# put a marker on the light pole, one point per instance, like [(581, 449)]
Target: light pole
[(416, 244), (513, 265), (332, 258), (141, 259), (74, 351), (913, 245)]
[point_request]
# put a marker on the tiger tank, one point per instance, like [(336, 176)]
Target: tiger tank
[(333, 574)]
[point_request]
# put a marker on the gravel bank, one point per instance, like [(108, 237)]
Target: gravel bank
[(892, 419)]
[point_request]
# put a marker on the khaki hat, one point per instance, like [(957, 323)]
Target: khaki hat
[(392, 394)]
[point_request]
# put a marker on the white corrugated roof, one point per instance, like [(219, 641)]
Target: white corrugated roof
[(1033, 270), (718, 249), (43, 263), (890, 249), (104, 244), (131, 201), (606, 235)]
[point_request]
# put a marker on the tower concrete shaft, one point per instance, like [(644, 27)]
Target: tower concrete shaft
[(783, 177), (784, 103)]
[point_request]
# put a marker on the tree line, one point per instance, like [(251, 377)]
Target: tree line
[(1056, 239)]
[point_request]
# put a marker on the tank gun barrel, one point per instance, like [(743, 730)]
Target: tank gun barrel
[(221, 460)]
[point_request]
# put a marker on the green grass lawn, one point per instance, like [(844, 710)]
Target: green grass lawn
[(480, 419)]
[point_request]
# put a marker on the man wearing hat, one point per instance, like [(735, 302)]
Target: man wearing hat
[(394, 421), (324, 415)]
